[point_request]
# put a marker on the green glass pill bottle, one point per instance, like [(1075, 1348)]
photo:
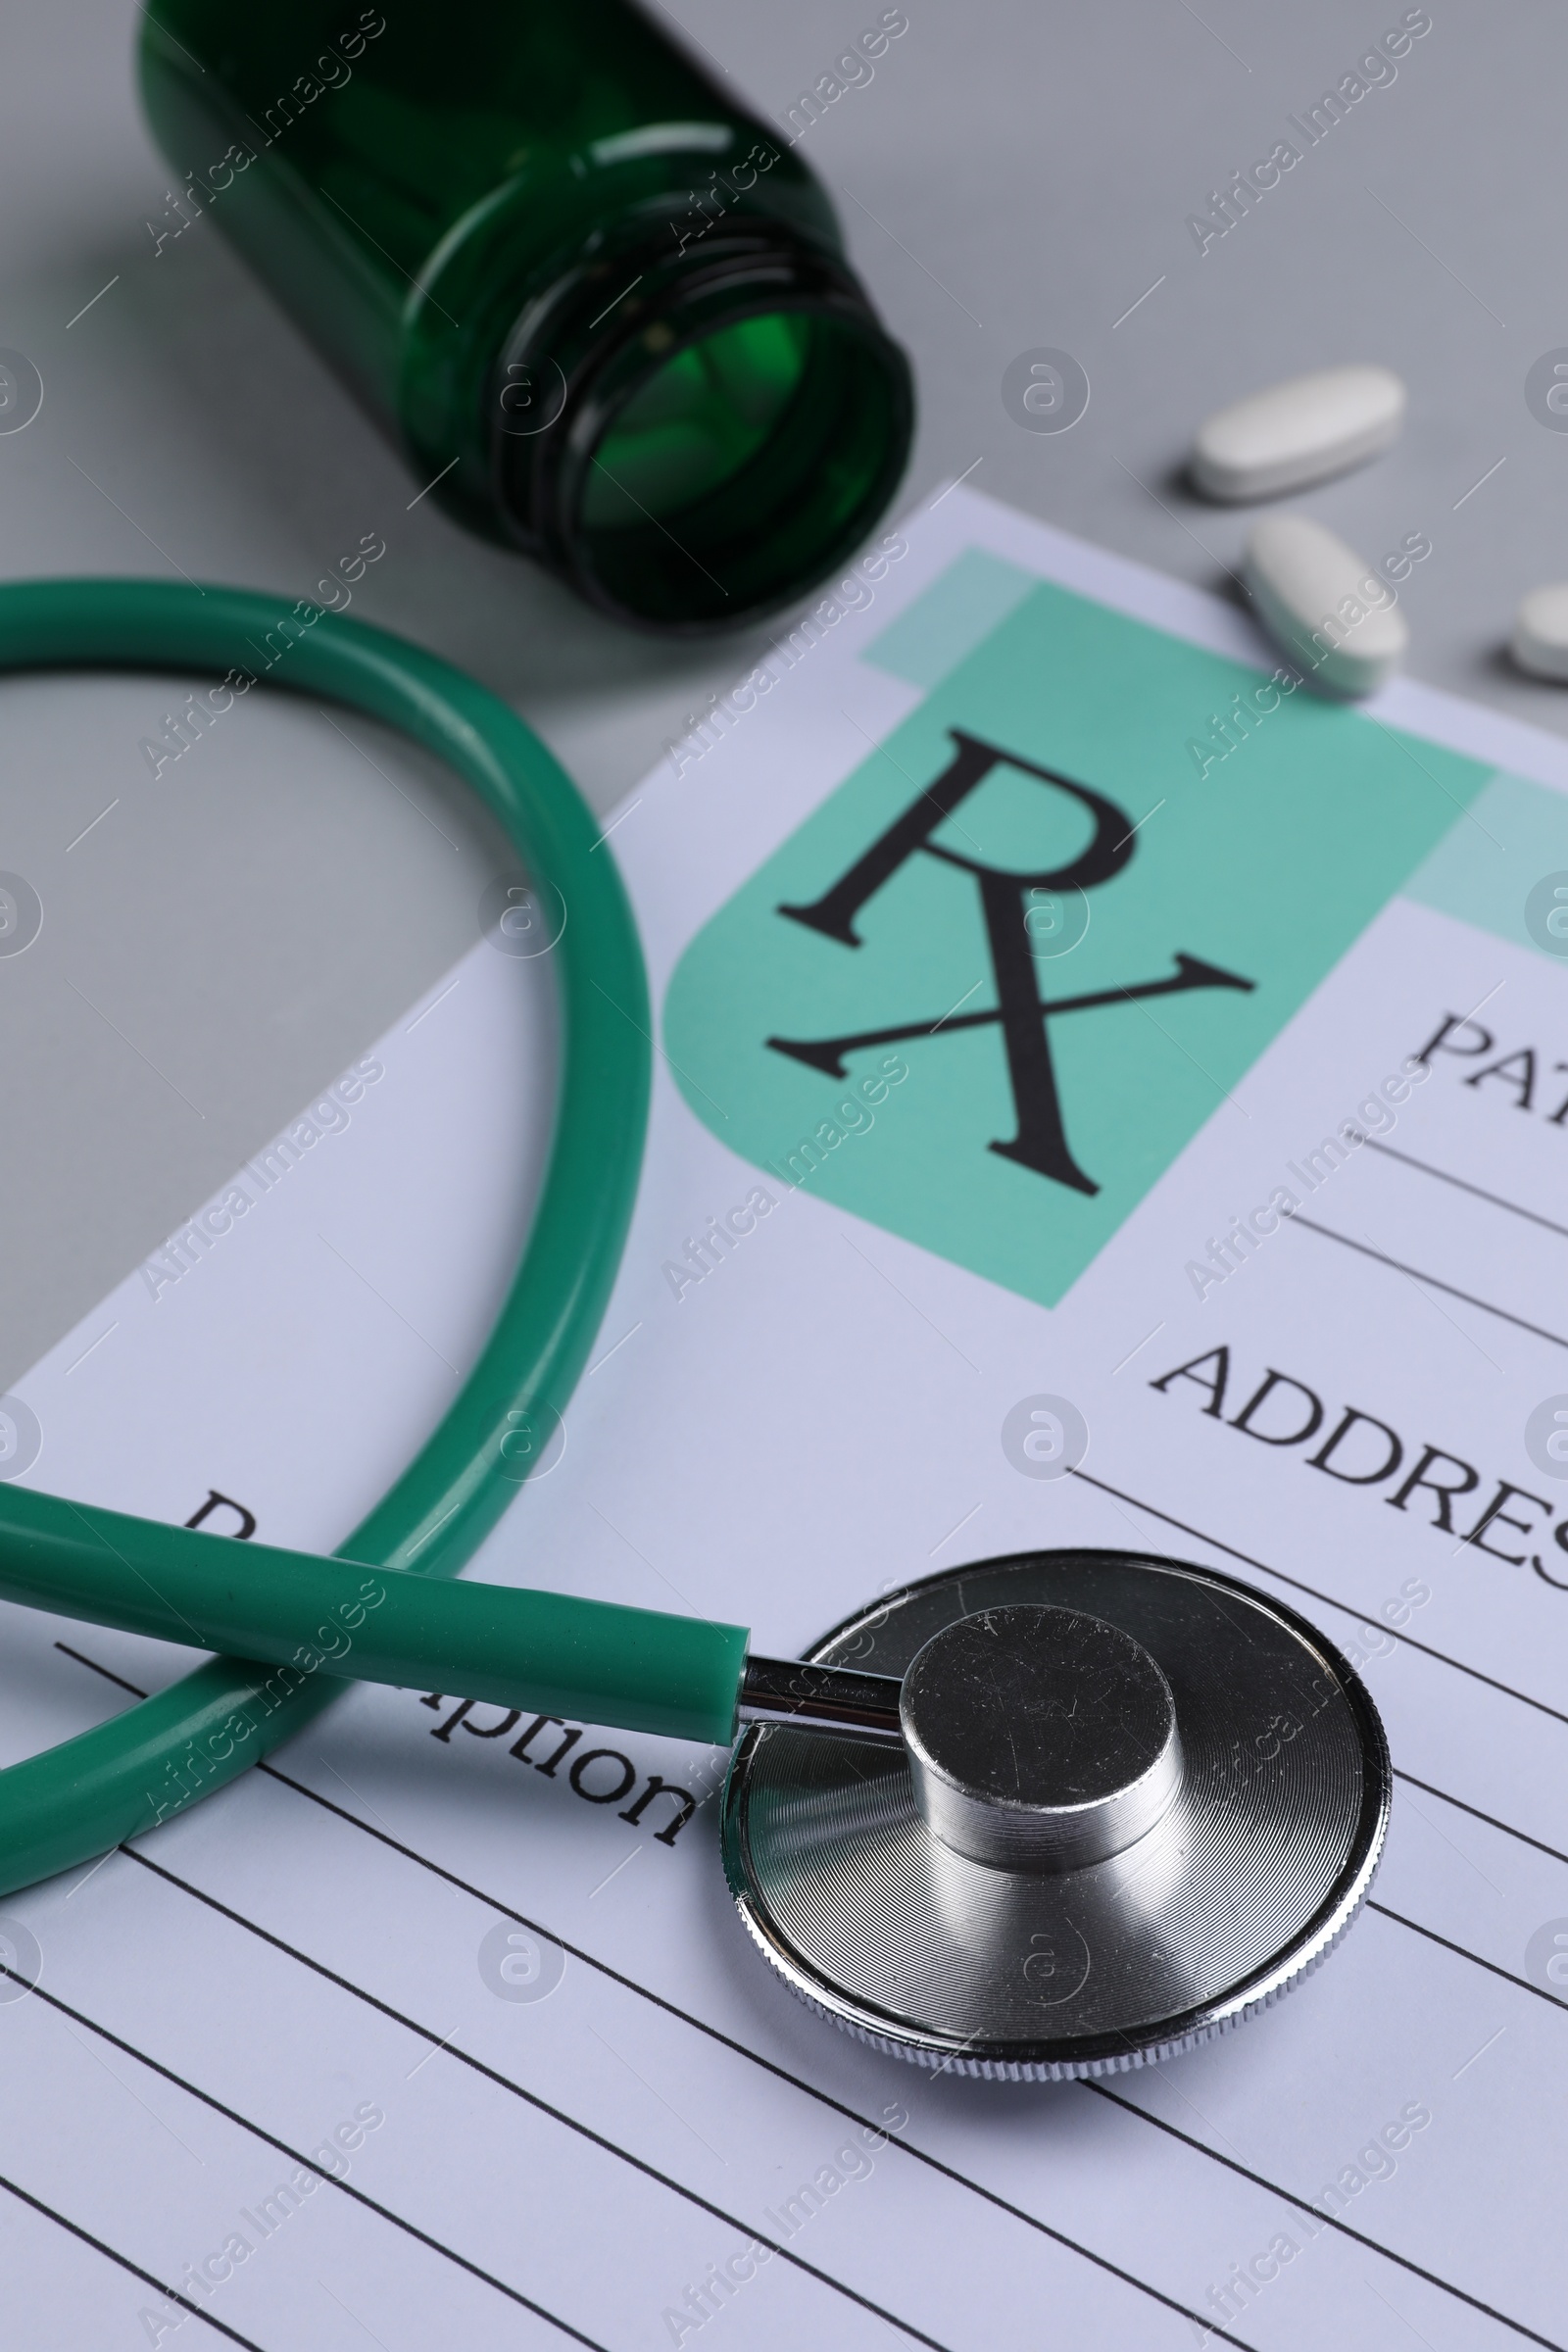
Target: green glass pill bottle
[(603, 310)]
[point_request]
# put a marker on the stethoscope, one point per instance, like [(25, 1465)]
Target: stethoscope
[(1057, 1814)]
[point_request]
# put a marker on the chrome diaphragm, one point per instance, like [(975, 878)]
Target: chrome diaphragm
[(1124, 1804)]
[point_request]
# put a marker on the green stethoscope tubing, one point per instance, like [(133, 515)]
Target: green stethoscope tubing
[(638, 1668)]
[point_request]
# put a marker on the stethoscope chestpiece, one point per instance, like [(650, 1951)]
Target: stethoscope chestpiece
[(1134, 1802), (1039, 1738)]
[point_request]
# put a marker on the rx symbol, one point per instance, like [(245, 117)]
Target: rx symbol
[(1021, 1013)]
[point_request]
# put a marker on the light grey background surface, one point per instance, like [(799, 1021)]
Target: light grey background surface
[(1016, 174)]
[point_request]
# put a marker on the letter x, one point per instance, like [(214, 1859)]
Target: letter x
[(1021, 1012)]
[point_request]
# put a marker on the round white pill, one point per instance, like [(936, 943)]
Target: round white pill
[(1297, 432), (1328, 607), (1540, 632)]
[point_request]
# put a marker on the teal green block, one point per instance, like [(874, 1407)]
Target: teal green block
[(1485, 865), (1268, 866), (957, 611)]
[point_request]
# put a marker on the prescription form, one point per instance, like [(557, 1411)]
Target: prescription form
[(440, 2027)]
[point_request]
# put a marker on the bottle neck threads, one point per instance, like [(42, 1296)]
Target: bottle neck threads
[(695, 439)]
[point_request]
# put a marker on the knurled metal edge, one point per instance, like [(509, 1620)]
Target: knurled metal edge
[(956, 2061)]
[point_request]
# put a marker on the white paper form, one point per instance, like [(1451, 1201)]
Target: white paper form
[(411, 2038)]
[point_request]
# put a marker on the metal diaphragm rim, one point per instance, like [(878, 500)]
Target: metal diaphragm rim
[(1262, 1864)]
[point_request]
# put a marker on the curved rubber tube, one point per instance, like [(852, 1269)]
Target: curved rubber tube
[(111, 1783), (642, 1670)]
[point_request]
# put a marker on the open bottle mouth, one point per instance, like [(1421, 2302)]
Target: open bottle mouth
[(726, 444)]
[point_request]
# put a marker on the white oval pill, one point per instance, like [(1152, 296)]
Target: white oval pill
[(1330, 610), (1297, 432), (1540, 632)]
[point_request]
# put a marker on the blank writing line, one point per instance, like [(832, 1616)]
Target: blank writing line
[(643, 1993), (1328, 1598), (1476, 1814), (532, 2098), (1304, 2205), (700, 2025), (781, 2073), (1415, 1274), (117, 1678), (169, 2293), (270, 2139), (597, 2140), (1514, 1207), (1462, 1952)]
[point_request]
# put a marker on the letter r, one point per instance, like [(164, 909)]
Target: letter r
[(1109, 848), (1020, 1012)]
